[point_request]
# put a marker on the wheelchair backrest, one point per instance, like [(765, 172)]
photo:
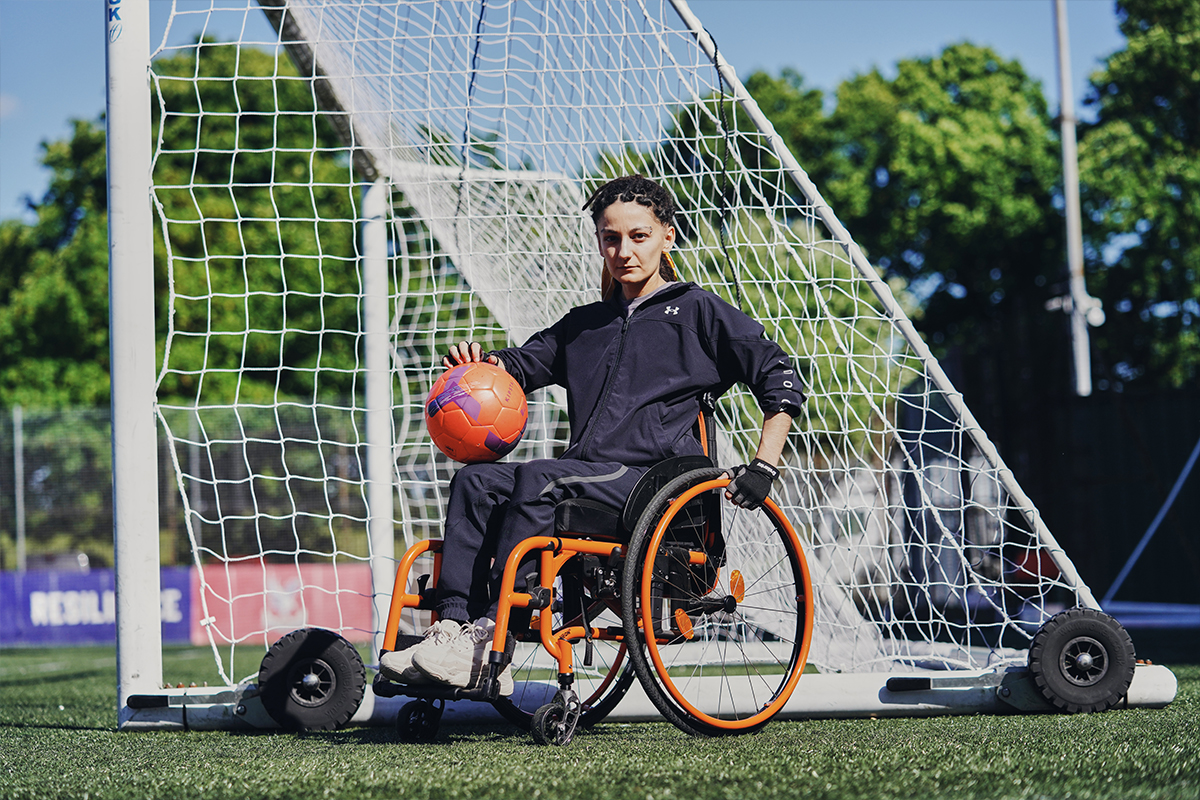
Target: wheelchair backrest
[(655, 479), (701, 510)]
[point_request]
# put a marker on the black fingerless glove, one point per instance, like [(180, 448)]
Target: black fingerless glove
[(751, 483)]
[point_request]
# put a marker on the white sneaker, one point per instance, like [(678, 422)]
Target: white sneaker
[(398, 664), (463, 661)]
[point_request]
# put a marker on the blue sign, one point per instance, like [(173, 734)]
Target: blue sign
[(46, 607)]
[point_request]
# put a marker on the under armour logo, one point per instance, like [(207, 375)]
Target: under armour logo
[(672, 310)]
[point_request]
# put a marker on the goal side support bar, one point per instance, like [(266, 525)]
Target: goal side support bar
[(378, 395), (821, 696), (892, 307)]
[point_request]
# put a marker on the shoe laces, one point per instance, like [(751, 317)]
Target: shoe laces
[(444, 631), (477, 634)]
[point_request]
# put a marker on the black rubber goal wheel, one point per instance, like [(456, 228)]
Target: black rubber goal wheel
[(311, 679), (728, 595), (1082, 660)]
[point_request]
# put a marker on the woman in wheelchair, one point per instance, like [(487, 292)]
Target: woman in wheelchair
[(635, 367)]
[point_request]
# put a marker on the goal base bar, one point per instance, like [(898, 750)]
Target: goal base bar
[(818, 696)]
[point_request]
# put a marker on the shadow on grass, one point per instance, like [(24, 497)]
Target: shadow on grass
[(42, 679), (53, 726), (448, 733)]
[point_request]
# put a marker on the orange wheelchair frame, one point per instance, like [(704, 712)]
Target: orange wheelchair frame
[(692, 584)]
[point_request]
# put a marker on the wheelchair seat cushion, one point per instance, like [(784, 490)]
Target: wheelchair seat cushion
[(585, 517)]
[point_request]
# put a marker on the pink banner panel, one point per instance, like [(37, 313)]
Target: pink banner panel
[(252, 600)]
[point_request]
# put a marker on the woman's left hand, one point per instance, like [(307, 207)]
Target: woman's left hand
[(750, 484)]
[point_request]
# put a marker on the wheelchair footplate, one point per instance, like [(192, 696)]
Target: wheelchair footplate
[(554, 723), (488, 690)]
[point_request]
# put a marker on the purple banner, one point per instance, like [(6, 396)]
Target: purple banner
[(45, 607)]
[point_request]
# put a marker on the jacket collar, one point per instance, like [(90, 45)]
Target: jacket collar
[(670, 292)]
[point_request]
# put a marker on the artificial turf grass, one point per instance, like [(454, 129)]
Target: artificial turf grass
[(46, 751)]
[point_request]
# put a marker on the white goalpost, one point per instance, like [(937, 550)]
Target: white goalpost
[(333, 200), (131, 304)]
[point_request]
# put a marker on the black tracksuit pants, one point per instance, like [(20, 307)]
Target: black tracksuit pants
[(494, 507)]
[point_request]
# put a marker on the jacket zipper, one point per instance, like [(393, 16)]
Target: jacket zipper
[(608, 385)]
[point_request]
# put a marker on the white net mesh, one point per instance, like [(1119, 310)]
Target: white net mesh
[(489, 123)]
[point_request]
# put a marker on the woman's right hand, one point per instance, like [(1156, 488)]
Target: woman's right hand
[(466, 352)]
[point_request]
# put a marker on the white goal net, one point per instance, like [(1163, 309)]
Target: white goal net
[(483, 125)]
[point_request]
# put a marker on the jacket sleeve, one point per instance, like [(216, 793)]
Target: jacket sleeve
[(745, 355), (538, 362)]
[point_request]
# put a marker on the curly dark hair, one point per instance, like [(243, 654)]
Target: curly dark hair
[(634, 189), (645, 192)]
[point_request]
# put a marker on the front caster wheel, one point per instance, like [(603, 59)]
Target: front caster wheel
[(311, 679), (1082, 660), (555, 722), (418, 721), (547, 725)]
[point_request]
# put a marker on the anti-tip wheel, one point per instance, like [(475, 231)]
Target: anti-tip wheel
[(1082, 660), (311, 679), (418, 721)]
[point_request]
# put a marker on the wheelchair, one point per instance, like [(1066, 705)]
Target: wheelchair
[(706, 604)]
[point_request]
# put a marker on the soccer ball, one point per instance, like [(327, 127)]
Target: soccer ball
[(476, 412)]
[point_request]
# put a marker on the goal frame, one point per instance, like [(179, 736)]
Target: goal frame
[(143, 702)]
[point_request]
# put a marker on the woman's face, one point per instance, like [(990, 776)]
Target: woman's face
[(632, 242)]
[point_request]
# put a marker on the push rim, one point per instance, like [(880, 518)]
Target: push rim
[(799, 656)]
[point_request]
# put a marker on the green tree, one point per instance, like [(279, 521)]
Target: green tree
[(256, 275), (1140, 175), (54, 283), (694, 143), (947, 176), (256, 195)]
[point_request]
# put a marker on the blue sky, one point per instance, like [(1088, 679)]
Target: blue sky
[(52, 53)]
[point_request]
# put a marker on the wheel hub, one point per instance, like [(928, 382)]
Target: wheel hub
[(1084, 661), (313, 683)]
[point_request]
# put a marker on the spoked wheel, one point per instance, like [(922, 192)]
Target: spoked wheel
[(311, 679), (418, 720), (600, 686), (1082, 660), (729, 602)]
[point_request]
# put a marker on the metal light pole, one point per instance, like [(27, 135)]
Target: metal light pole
[(18, 423), (1083, 309)]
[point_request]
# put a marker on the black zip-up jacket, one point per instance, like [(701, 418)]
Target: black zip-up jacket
[(634, 382)]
